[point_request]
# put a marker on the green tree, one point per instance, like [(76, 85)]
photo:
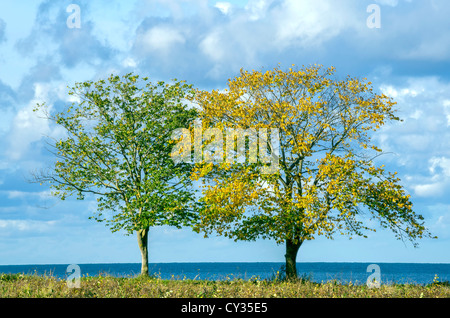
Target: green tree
[(326, 181), (117, 147)]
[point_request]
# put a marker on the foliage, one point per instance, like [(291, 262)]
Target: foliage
[(327, 177), (117, 146)]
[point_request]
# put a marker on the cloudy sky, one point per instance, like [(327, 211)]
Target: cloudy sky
[(42, 51)]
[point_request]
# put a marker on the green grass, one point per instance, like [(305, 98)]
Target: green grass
[(34, 286)]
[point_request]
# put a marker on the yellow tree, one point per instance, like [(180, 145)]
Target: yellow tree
[(325, 177)]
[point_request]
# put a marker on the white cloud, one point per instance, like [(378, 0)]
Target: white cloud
[(201, 41), (443, 221), (311, 22), (15, 194), (160, 38), (6, 117), (257, 9), (224, 7), (389, 90), (439, 223), (211, 46), (247, 36), (129, 62), (402, 92), (422, 141), (27, 127), (446, 104), (437, 183), (26, 225), (443, 164), (429, 190), (392, 3)]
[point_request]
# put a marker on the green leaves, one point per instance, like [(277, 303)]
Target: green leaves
[(118, 148), (119, 142)]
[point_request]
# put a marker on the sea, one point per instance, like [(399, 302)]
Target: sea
[(356, 273)]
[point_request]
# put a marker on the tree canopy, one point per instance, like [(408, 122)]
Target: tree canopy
[(117, 147), (326, 181)]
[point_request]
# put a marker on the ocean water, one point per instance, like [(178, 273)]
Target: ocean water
[(357, 273)]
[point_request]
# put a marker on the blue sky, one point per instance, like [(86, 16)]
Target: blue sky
[(205, 43)]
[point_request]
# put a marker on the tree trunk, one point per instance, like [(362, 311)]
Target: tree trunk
[(142, 236), (291, 258)]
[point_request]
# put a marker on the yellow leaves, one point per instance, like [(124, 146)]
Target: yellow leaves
[(255, 96), (324, 124)]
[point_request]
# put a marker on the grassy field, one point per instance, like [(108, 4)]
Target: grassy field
[(33, 286)]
